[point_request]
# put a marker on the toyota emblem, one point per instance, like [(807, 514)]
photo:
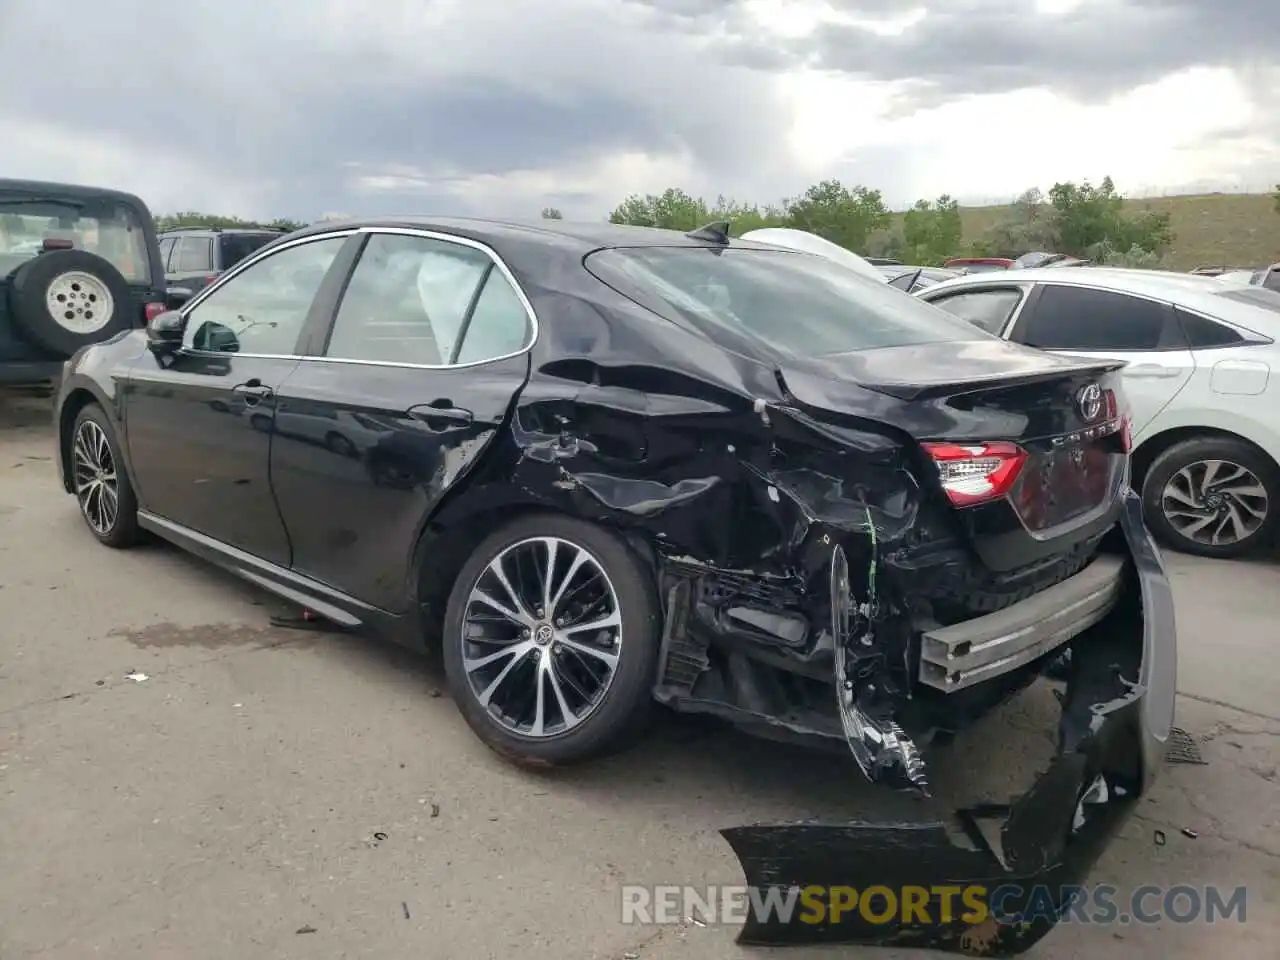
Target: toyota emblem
[(1089, 400)]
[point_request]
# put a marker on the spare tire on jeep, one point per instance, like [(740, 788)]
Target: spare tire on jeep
[(66, 299)]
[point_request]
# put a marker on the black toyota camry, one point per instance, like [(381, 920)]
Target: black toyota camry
[(598, 466)]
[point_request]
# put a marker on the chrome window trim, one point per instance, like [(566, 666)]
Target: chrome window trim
[(423, 233)]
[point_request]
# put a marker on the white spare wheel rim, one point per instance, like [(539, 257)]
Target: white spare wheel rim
[(79, 302)]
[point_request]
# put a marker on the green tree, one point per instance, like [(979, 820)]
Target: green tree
[(673, 209), (847, 216), (1086, 215), (551, 213), (931, 231), (1028, 226), (192, 218), (1275, 197)]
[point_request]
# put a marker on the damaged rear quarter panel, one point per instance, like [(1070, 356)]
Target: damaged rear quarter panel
[(737, 499)]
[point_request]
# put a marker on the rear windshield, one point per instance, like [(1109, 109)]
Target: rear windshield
[(800, 304), (237, 246), (1254, 296), (106, 227)]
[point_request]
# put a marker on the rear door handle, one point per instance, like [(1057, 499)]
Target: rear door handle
[(254, 391), (441, 414), (1152, 371)]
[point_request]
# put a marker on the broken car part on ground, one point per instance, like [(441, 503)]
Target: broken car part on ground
[(602, 465)]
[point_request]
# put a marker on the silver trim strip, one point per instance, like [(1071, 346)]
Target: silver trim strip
[(953, 658), (498, 262)]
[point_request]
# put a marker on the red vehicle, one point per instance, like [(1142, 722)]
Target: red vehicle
[(978, 264)]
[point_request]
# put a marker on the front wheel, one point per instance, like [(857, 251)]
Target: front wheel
[(1212, 496), (551, 641), (100, 481)]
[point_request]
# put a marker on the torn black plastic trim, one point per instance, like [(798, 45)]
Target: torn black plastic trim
[(1116, 718)]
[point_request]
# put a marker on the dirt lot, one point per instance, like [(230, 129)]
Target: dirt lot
[(265, 793)]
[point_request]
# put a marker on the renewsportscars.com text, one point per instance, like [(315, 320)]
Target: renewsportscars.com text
[(925, 906)]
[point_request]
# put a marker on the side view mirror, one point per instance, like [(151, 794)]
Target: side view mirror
[(175, 297), (164, 332)]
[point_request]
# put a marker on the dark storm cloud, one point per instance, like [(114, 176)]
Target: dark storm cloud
[(286, 94), (962, 47), (289, 91)]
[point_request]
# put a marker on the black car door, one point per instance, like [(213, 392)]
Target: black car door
[(198, 425), (405, 391)]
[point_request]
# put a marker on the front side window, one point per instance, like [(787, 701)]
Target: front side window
[(800, 304), (987, 310), (1078, 318), (236, 246), (109, 228), (263, 309), (422, 301)]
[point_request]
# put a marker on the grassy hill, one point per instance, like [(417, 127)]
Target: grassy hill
[(1214, 228)]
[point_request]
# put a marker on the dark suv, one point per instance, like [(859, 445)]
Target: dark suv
[(78, 265), (195, 256)]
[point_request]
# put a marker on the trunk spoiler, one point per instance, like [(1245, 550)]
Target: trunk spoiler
[(960, 385)]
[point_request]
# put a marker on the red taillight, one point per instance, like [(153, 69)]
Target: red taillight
[(152, 310), (210, 278), (976, 472), (1126, 421)]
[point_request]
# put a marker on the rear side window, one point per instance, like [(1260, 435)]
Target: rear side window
[(101, 225), (800, 304), (1201, 332), (236, 246), (193, 255), (987, 310), (1078, 318)]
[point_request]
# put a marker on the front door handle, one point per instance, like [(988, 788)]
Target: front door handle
[(254, 391)]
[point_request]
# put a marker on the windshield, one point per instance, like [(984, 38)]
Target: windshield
[(800, 304), (106, 227)]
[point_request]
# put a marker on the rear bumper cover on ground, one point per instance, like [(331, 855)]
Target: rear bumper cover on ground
[(1115, 723)]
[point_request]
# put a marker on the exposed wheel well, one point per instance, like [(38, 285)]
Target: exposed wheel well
[(444, 549), (1147, 453), (447, 549), (76, 401)]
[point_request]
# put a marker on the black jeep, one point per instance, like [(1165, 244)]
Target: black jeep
[(78, 265)]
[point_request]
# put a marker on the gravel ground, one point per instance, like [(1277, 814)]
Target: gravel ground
[(268, 793)]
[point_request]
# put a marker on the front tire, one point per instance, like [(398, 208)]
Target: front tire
[(100, 481), (551, 641), (1212, 497)]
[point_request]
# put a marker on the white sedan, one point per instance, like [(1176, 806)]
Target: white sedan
[(1202, 378)]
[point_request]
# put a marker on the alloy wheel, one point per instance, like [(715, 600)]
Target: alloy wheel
[(1215, 502), (79, 302), (97, 486), (542, 633)]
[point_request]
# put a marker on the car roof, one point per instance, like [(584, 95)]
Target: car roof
[(71, 191), (1200, 293), (586, 235)]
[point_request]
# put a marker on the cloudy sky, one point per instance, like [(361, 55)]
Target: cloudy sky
[(302, 107)]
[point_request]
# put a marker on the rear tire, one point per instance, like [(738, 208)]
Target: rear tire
[(1209, 488), (100, 481), (596, 579)]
